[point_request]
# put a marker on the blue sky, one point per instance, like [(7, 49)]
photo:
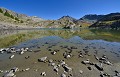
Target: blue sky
[(54, 9)]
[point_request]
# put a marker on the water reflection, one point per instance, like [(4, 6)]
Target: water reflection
[(13, 37)]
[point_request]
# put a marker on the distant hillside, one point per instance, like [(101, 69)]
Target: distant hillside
[(11, 17), (64, 22), (91, 18), (109, 21)]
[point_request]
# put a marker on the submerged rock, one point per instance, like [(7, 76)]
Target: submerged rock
[(55, 68), (80, 71), (11, 56), (15, 69), (63, 75), (99, 67), (22, 52), (50, 60), (9, 74), (86, 62), (53, 53), (43, 73), (67, 69), (43, 59), (1, 71)]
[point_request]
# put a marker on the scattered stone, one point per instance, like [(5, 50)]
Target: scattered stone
[(81, 56), (11, 50), (62, 62), (99, 66), (9, 74), (50, 60), (73, 47), (67, 56), (11, 56), (108, 62), (22, 52), (102, 74), (80, 71), (86, 62), (15, 69), (55, 68), (67, 69), (52, 64), (117, 74), (43, 59), (27, 69), (63, 75), (43, 73), (53, 53), (24, 49), (89, 68), (27, 57), (97, 58), (1, 71)]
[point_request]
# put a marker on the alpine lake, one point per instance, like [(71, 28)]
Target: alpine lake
[(84, 52)]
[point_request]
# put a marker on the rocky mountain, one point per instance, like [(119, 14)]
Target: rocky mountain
[(66, 22), (11, 17), (111, 20), (91, 18)]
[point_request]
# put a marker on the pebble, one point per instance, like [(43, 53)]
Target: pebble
[(9, 74), (43, 59), (99, 66), (11, 56), (80, 71), (15, 69), (63, 75), (1, 71), (27, 69), (43, 73)]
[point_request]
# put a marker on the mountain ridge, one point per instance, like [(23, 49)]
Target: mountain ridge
[(67, 22), (111, 21)]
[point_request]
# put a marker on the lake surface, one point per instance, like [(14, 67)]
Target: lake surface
[(14, 37), (81, 44)]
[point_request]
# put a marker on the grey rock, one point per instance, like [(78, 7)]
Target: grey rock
[(9, 74), (67, 69), (55, 68), (53, 53), (86, 62), (99, 66), (50, 60), (63, 75), (22, 52), (43, 59), (11, 56), (15, 69), (80, 71), (43, 73)]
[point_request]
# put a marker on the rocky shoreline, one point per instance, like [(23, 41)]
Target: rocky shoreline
[(60, 59)]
